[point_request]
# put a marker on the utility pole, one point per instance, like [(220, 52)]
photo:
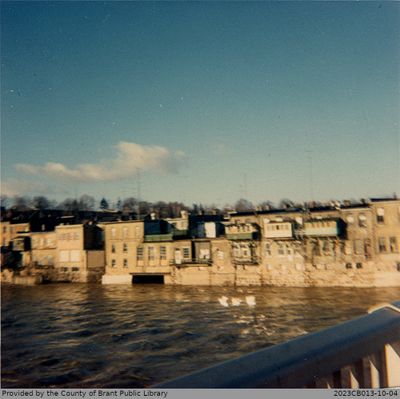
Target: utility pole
[(311, 173), (138, 192), (245, 185)]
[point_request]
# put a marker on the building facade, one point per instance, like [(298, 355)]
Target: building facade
[(339, 245), (348, 245), (79, 253)]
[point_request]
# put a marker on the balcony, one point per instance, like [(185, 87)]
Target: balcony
[(324, 228), (158, 237), (191, 262), (255, 260), (248, 235)]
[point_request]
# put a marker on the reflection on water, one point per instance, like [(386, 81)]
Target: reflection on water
[(134, 336)]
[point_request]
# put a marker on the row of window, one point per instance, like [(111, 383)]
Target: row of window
[(67, 269), (42, 242), (388, 244), (240, 228), (274, 227), (73, 255), (151, 252), (350, 265), (68, 236), (125, 232), (362, 220), (282, 249), (320, 224)]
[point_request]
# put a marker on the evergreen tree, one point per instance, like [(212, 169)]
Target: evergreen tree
[(104, 204)]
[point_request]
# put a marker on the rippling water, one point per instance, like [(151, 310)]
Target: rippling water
[(76, 335)]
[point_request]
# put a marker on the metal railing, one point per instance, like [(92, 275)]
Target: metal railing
[(361, 353), (254, 260), (191, 262)]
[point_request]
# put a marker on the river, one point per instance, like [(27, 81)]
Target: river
[(84, 336)]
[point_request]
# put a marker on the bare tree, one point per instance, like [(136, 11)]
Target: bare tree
[(21, 203), (286, 204), (4, 201), (265, 205), (129, 204), (86, 203), (69, 204), (40, 202), (244, 205)]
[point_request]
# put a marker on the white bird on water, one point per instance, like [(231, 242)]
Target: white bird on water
[(236, 301), (223, 301), (251, 300)]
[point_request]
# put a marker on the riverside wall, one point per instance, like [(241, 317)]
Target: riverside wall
[(307, 276)]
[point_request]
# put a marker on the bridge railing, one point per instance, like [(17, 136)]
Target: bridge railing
[(360, 353)]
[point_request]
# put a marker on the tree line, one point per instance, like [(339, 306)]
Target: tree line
[(141, 208)]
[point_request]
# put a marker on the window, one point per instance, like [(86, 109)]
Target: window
[(64, 256), (268, 251), (113, 248), (359, 265), (326, 247), (125, 247), (163, 253), (125, 232), (393, 244), (113, 232), (113, 263), (139, 253), (381, 244), (186, 252), (316, 249), (125, 262), (4, 229), (358, 247), (281, 249), (150, 253), (75, 269), (380, 215), (74, 255), (348, 266), (362, 221), (137, 231)]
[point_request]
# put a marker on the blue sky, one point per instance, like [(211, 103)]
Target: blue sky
[(201, 101)]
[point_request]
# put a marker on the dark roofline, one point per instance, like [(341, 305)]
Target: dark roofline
[(384, 199), (267, 212), (352, 206), (322, 219)]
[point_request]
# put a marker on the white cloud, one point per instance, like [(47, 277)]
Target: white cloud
[(129, 158), (13, 187)]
